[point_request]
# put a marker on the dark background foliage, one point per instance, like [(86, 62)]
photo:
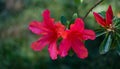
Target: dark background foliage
[(15, 38)]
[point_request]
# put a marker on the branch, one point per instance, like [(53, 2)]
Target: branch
[(100, 1)]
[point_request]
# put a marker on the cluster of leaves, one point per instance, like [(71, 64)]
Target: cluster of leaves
[(111, 38)]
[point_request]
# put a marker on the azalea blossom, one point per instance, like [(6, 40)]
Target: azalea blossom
[(107, 21), (49, 32), (74, 39)]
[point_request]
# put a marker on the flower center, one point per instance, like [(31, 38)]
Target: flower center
[(110, 28)]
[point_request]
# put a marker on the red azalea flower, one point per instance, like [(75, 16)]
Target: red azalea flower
[(105, 22), (74, 39), (50, 32)]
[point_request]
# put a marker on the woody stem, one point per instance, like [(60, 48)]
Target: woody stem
[(99, 1)]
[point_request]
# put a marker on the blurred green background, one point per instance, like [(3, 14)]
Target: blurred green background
[(15, 38)]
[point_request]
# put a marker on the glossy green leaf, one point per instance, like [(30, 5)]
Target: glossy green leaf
[(118, 46), (105, 45), (118, 27), (118, 34), (114, 40), (117, 42), (100, 32), (103, 14), (63, 20), (116, 21)]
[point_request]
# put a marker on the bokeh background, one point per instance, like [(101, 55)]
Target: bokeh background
[(15, 38)]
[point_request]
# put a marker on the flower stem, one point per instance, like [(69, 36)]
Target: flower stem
[(99, 1)]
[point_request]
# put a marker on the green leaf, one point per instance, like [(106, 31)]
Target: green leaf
[(75, 15), (114, 40), (63, 20), (100, 32), (68, 25), (118, 47), (116, 21), (103, 14), (118, 27), (71, 53), (105, 45), (118, 34), (117, 42)]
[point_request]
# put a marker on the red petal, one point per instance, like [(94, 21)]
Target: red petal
[(78, 25), (47, 20), (35, 27), (53, 50), (89, 34), (64, 48), (60, 28), (46, 14), (38, 28), (39, 44), (99, 19), (109, 15), (79, 49)]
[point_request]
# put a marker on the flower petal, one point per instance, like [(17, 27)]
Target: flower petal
[(35, 27), (109, 15), (78, 25), (64, 48), (46, 15), (48, 22), (89, 34), (99, 19), (39, 44), (53, 51), (80, 49), (60, 28)]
